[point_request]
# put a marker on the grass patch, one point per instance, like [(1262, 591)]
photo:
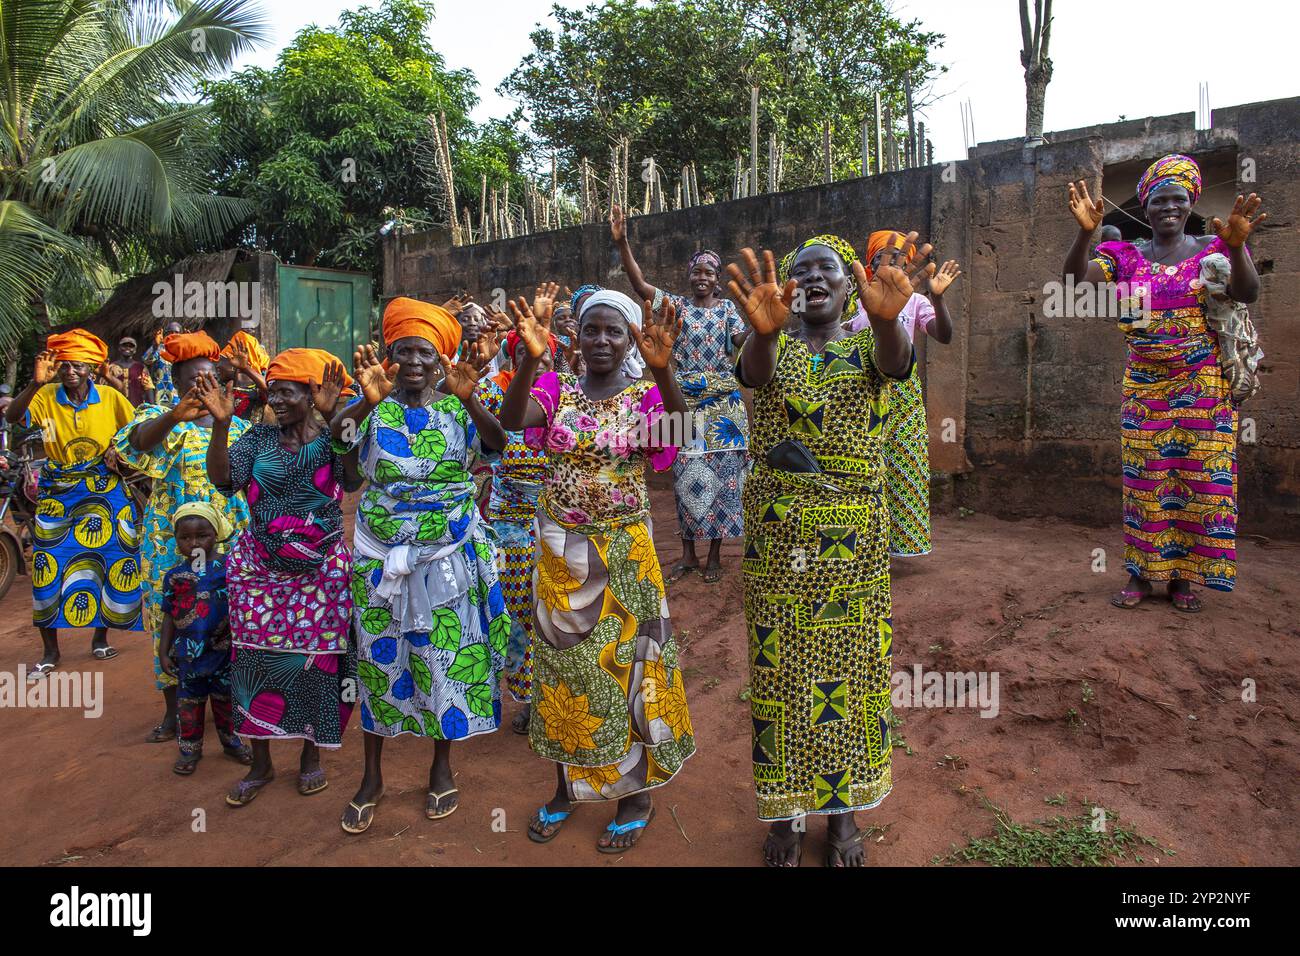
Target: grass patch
[(1094, 837)]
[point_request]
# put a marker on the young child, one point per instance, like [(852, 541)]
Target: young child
[(195, 640)]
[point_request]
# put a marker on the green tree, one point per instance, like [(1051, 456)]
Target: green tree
[(331, 143), (104, 164), (675, 76)]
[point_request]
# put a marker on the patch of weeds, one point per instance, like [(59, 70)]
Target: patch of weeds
[(935, 648), (1056, 801), (1087, 692), (1074, 720), (964, 512), (895, 738), (952, 762), (1086, 839), (712, 682), (744, 693)]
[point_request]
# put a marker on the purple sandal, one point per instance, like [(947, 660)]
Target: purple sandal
[(313, 781), (246, 791)]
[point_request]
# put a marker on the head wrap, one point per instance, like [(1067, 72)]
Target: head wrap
[(513, 340), (705, 255), (126, 338), (886, 239), (78, 345), (183, 346), (306, 366), (249, 345), (405, 317), (1175, 168), (204, 509), (631, 312), (582, 290), (844, 249)]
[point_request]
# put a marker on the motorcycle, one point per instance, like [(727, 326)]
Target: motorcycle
[(19, 471)]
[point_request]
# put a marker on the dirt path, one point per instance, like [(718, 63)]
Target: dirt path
[(1016, 598)]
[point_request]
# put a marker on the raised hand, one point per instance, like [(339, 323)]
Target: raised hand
[(947, 274), (887, 292), (46, 368), (239, 359), (192, 407), (326, 395), (375, 382), (500, 321), (1240, 224), (1087, 211), (656, 336), (458, 302), (219, 402), (461, 378), (114, 375), (617, 223), (544, 302), (765, 303), (530, 330)]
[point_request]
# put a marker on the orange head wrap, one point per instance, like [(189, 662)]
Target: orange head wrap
[(306, 366), (78, 345), (249, 345), (886, 239), (405, 317), (183, 346)]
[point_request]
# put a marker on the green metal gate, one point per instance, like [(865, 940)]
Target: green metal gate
[(323, 309)]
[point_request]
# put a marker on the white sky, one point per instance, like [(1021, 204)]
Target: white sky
[(1100, 49)]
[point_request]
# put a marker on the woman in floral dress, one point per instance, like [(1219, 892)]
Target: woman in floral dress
[(430, 617), (609, 706)]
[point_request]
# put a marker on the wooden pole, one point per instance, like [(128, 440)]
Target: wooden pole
[(929, 153), (911, 120), (483, 212), (880, 149), (826, 151), (771, 162), (555, 190), (753, 138), (505, 210), (920, 145), (866, 153), (889, 137)]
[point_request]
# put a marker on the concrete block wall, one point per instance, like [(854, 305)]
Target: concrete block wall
[(1030, 403)]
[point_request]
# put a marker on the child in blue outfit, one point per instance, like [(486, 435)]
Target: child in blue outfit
[(195, 639)]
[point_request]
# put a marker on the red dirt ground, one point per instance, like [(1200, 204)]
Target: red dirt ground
[(1164, 739)]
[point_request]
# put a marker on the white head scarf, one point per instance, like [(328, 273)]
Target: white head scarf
[(631, 311)]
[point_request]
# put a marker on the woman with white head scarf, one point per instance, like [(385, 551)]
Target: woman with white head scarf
[(609, 707)]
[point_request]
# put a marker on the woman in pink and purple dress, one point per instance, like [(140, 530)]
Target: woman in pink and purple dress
[(1178, 436)]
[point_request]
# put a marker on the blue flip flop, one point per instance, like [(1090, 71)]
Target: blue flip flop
[(618, 829), (548, 819)]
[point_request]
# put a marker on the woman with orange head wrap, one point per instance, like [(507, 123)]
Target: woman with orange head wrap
[(430, 617), (169, 443), (289, 573), (85, 563), (244, 362), (907, 435), (1180, 497)]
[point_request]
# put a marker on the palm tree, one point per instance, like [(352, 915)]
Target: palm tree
[(105, 154)]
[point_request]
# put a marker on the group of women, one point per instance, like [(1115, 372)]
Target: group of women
[(556, 585)]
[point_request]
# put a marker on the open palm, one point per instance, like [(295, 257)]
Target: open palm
[(765, 302)]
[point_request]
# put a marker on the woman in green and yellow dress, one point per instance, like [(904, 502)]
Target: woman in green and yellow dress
[(816, 560)]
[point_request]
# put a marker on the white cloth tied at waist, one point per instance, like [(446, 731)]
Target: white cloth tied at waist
[(418, 579)]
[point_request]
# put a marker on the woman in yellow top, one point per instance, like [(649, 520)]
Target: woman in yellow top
[(85, 567)]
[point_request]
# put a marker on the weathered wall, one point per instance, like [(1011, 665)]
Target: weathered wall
[(1031, 403)]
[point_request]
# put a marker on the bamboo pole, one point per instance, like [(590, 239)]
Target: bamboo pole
[(880, 149), (889, 137), (866, 153), (826, 151), (911, 119), (753, 137), (483, 212), (771, 161)]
